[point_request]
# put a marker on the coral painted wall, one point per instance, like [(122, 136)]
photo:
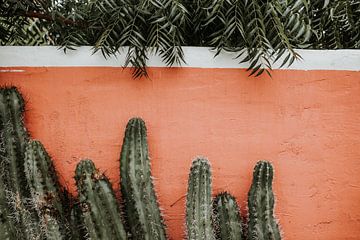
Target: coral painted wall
[(306, 122)]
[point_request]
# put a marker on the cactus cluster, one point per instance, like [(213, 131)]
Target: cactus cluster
[(19, 216), (34, 206), (220, 218)]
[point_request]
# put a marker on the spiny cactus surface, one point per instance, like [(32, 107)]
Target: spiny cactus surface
[(227, 217), (13, 138), (78, 230), (142, 209), (7, 230), (100, 212), (45, 191), (198, 202), (262, 223)]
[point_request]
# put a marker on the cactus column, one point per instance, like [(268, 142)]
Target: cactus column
[(262, 223), (142, 209), (100, 212), (227, 217), (198, 202), (45, 191), (13, 139)]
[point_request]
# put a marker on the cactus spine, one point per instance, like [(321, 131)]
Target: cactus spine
[(227, 217), (262, 224), (198, 202), (45, 191), (142, 209), (13, 139), (101, 215)]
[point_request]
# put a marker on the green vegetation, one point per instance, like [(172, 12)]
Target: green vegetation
[(259, 32)]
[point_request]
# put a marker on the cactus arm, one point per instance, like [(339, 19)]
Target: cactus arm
[(198, 202), (262, 223), (142, 209), (45, 190), (227, 217), (100, 213)]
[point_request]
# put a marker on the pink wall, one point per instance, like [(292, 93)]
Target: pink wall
[(306, 122)]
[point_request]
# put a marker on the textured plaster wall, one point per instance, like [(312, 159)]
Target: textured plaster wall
[(306, 122)]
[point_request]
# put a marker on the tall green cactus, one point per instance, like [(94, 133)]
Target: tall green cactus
[(142, 209), (13, 140), (45, 191), (262, 223), (199, 203), (227, 218), (100, 212)]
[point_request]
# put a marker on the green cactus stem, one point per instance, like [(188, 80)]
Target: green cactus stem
[(45, 191), (13, 138), (78, 230), (100, 212), (7, 231), (198, 202), (227, 217), (141, 207), (262, 223)]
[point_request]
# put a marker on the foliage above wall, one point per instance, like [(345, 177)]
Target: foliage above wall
[(260, 32)]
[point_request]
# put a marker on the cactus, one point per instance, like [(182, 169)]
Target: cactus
[(45, 191), (100, 212), (14, 137), (198, 202), (141, 207), (33, 205), (227, 217), (78, 230), (13, 140), (262, 224), (7, 231)]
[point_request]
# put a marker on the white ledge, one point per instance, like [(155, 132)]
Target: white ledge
[(196, 57)]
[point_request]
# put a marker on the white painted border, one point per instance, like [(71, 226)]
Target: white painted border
[(197, 57)]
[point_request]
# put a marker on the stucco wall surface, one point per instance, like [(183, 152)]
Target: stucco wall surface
[(307, 123)]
